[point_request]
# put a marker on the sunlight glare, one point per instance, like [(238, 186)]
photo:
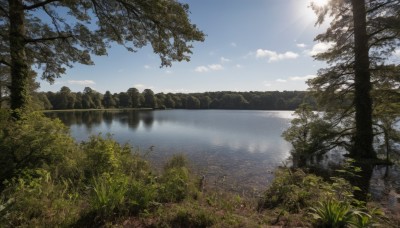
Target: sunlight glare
[(320, 2)]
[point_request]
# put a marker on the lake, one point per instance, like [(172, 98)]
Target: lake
[(234, 149)]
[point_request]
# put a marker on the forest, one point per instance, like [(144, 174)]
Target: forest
[(48, 179), (132, 98)]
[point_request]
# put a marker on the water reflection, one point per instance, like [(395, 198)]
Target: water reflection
[(236, 150)]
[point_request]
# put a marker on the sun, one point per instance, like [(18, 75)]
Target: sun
[(320, 2)]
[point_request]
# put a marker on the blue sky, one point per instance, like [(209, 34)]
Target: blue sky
[(254, 45)]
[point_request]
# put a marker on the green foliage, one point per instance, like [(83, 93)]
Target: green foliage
[(109, 194), (175, 182), (292, 190), (118, 194), (335, 213), (331, 204), (332, 213), (35, 199), (308, 134), (104, 155), (177, 161), (269, 100), (35, 141), (193, 218)]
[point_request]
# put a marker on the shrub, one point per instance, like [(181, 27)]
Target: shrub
[(332, 213), (292, 190), (109, 194), (35, 141), (335, 213), (175, 184), (192, 218), (103, 155), (36, 200)]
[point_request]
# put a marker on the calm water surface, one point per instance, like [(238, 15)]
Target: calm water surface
[(235, 149)]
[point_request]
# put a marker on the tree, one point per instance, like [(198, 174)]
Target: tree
[(310, 135), (205, 102), (108, 100), (363, 35), (169, 101), (134, 97), (54, 34), (149, 98), (192, 102), (124, 100)]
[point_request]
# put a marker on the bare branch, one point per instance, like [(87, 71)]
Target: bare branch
[(40, 4)]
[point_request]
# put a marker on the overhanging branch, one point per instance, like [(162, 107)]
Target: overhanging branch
[(2, 61), (4, 11), (43, 39), (40, 4)]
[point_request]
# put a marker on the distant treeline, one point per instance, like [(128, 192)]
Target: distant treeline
[(132, 98)]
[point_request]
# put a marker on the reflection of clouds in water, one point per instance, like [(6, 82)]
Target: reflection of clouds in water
[(277, 114), (252, 146)]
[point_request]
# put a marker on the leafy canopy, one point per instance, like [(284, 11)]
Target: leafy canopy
[(59, 33)]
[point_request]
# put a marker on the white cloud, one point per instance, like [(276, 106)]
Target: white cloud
[(274, 56), (212, 67), (396, 52), (168, 72), (267, 84), (177, 91), (224, 60), (81, 82), (215, 67), (281, 80), (320, 48), (233, 44), (302, 78), (201, 69), (146, 67), (239, 66), (139, 86), (248, 55), (301, 45)]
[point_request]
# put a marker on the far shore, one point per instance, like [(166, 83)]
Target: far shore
[(97, 109)]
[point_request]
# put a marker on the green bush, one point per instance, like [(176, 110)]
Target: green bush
[(103, 155), (292, 190), (332, 213), (35, 141), (335, 213), (192, 218), (109, 194), (176, 184), (177, 161), (36, 200), (117, 194)]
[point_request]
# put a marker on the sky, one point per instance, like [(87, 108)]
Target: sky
[(253, 45)]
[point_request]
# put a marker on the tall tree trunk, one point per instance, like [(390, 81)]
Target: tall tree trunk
[(19, 68), (362, 99)]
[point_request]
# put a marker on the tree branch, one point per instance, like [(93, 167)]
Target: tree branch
[(4, 11), (43, 39), (378, 6), (2, 61), (40, 4)]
